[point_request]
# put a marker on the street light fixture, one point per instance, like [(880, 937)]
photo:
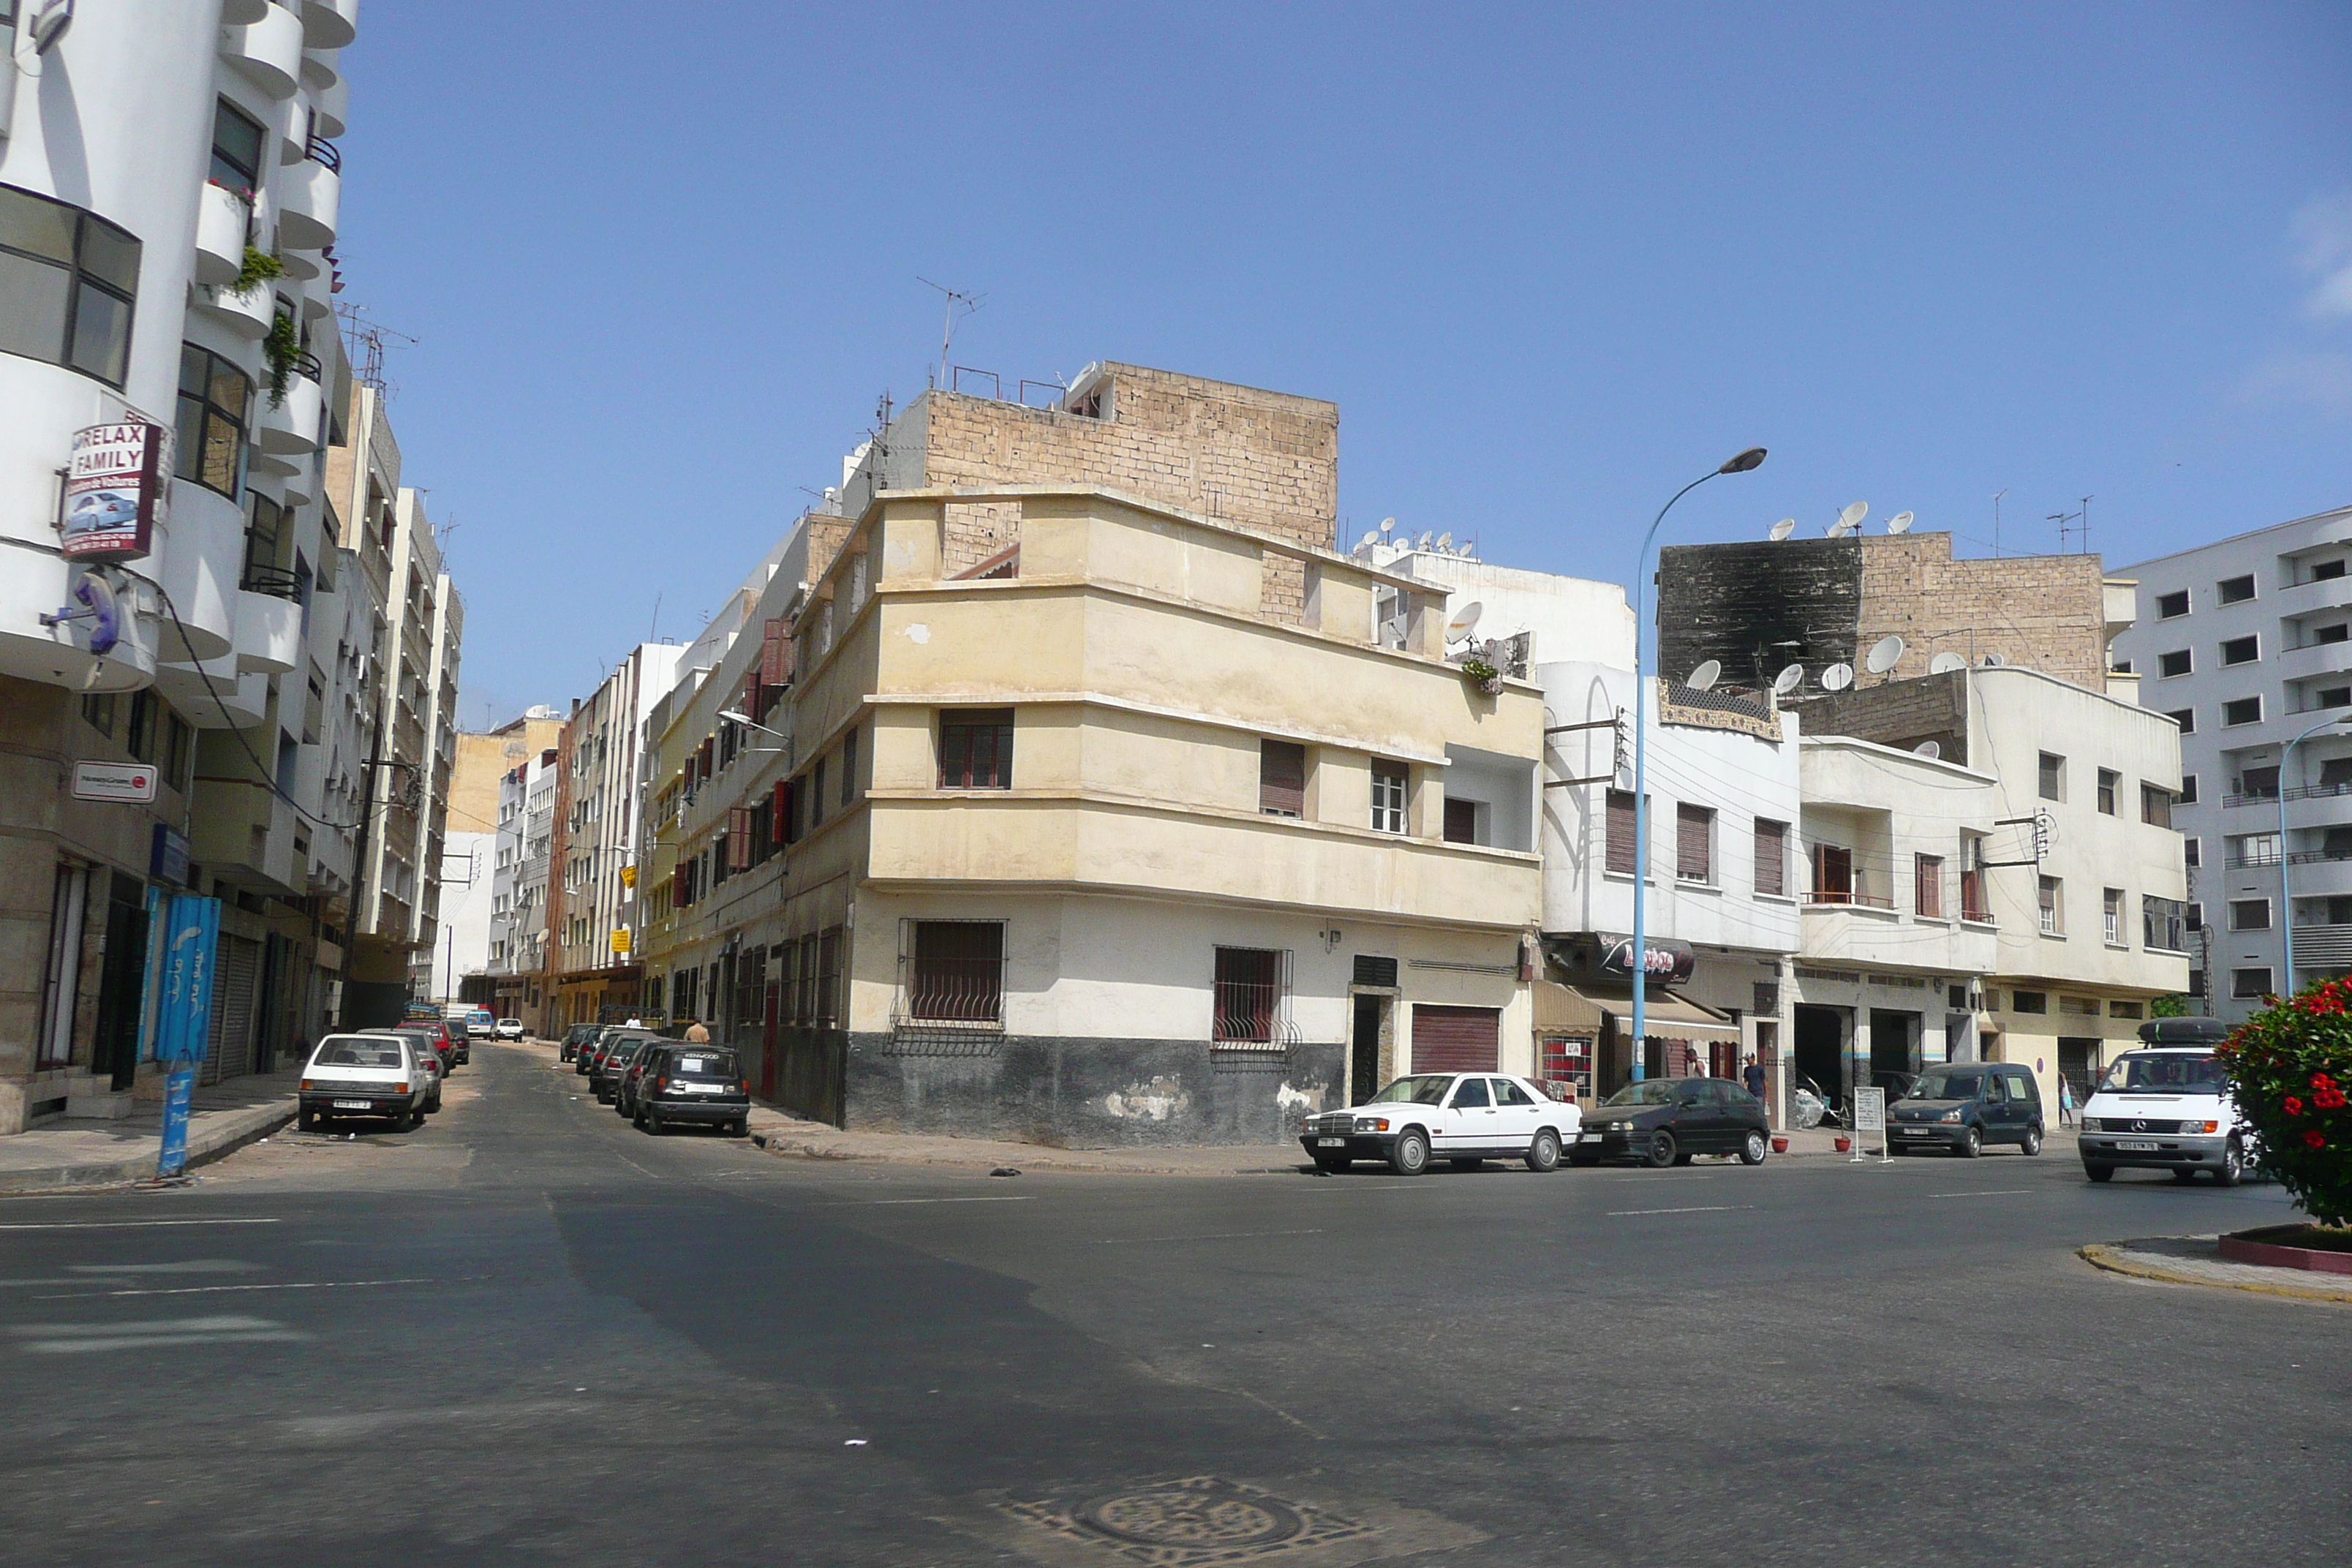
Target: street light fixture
[(2287, 863), (1753, 458), (749, 723)]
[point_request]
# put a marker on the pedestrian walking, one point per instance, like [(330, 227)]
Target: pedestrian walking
[(695, 1034), (2066, 1103), (1753, 1074)]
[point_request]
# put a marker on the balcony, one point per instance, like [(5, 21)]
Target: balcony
[(1846, 896), (268, 634), (267, 53), (291, 428), (2323, 946), (330, 24), (309, 198), (223, 220), (2315, 659), (331, 107), (248, 316)]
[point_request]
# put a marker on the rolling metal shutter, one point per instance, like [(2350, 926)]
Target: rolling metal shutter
[(1456, 1039), (230, 1054)]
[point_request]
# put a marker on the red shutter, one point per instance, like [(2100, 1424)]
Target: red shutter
[(1281, 778), (780, 811), (776, 654), (709, 752), (1456, 1039), (1694, 838), (678, 885), (738, 838), (1771, 856)]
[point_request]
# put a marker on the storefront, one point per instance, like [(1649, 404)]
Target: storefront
[(1584, 1038)]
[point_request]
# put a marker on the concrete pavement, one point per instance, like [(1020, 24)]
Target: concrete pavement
[(69, 1153)]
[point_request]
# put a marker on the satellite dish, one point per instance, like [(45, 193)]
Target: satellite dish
[(1993, 661), (1851, 518), (1368, 541), (1837, 678), (1945, 663), (1782, 529), (1445, 540), (1423, 542), (1788, 680), (1837, 530), (1927, 749), (1388, 525), (1885, 653), (1900, 524), (1704, 678), (1465, 620)]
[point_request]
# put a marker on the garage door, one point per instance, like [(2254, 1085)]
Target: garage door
[(231, 1052), (1456, 1039)]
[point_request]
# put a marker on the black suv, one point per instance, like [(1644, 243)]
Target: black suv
[(703, 1085), (1963, 1106)]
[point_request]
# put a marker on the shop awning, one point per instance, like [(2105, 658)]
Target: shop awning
[(1571, 1008)]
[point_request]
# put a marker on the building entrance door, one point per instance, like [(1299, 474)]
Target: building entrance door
[(1364, 1050), (1819, 1052), (1894, 1050)]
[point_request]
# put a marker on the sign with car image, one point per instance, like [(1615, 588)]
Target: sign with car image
[(117, 489)]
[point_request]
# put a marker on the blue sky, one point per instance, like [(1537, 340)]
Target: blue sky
[(1550, 262)]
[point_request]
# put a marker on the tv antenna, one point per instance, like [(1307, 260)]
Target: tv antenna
[(363, 344), (2077, 522), (958, 305), (1996, 520)]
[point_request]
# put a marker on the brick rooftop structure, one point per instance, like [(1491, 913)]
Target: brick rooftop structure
[(1818, 602)]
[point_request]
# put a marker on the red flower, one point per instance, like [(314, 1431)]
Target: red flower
[(2315, 1139), (2293, 1106)]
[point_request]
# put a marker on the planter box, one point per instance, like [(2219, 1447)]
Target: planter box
[(2274, 1248)]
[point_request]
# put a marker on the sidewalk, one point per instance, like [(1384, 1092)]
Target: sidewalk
[(69, 1153)]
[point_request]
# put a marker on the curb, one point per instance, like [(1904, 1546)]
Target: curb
[(2112, 1258), (233, 1131), (798, 1148)]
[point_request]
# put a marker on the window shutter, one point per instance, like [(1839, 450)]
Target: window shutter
[(776, 654), (1281, 778), (1620, 832), (751, 695), (1771, 856), (780, 812), (677, 894), (1694, 842), (738, 838)]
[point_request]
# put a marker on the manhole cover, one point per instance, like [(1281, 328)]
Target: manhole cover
[(1202, 1512), (1191, 1522)]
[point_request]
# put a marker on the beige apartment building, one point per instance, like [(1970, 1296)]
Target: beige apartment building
[(1087, 846)]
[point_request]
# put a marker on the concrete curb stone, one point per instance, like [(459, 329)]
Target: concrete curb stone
[(2197, 1260)]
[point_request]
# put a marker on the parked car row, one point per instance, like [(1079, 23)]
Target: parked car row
[(657, 1082), (394, 1074)]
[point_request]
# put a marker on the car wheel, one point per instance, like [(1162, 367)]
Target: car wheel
[(654, 1122), (1408, 1155), (1662, 1152), (1753, 1149), (1465, 1164), (2032, 1142), (1543, 1154), (2233, 1166), (2098, 1172), (1970, 1145), (741, 1128)]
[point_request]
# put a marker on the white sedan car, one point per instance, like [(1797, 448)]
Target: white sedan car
[(510, 1029), (1461, 1117)]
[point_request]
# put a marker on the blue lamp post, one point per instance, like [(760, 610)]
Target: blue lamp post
[(1751, 459)]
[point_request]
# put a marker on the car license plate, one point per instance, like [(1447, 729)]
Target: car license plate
[(1331, 1142), (354, 1105), (702, 1089), (1917, 1131), (2146, 1148), (1588, 1137)]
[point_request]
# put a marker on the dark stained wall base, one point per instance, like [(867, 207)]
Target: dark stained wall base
[(1087, 1093)]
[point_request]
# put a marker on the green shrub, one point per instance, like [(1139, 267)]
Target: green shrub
[(2290, 1068)]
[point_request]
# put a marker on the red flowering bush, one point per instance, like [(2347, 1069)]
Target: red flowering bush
[(2289, 1068)]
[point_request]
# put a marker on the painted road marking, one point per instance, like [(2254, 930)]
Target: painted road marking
[(215, 1289), (1219, 1236), (194, 1266), (82, 1339), (1994, 1192), (1009, 1198), (131, 1223), (1707, 1208)]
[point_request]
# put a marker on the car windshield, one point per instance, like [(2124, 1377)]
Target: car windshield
[(358, 1053), (1947, 1086), (704, 1064), (2163, 1072), (1649, 1091), (1425, 1089)]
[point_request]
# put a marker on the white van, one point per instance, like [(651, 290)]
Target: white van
[(2167, 1107)]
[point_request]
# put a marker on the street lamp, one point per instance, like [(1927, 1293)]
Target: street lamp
[(2286, 866), (1753, 458), (732, 717)]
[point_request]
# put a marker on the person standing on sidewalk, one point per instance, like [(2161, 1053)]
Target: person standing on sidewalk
[(2065, 1101), (1753, 1076), (695, 1034)]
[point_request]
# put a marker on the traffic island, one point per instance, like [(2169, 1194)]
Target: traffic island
[(2199, 1260), (2318, 1248)]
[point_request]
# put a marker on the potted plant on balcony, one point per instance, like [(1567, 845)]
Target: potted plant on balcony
[(1483, 674), (281, 348), (2290, 1071)]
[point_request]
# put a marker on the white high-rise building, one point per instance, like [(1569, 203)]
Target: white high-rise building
[(2246, 644), (169, 383)]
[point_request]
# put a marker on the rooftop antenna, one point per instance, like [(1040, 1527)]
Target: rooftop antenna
[(1849, 520), (1837, 678), (2070, 522), (955, 297), (1704, 678), (1788, 680), (1885, 655), (1781, 529), (1445, 540), (1900, 524), (1996, 520), (1371, 537), (1388, 525), (1945, 663), (364, 345)]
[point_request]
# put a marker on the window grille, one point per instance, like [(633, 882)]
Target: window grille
[(951, 972), (1251, 1006)]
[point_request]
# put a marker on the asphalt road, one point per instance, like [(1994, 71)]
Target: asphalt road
[(529, 1335)]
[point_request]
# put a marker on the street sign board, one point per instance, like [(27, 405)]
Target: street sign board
[(1869, 1116), (113, 781), (119, 489)]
